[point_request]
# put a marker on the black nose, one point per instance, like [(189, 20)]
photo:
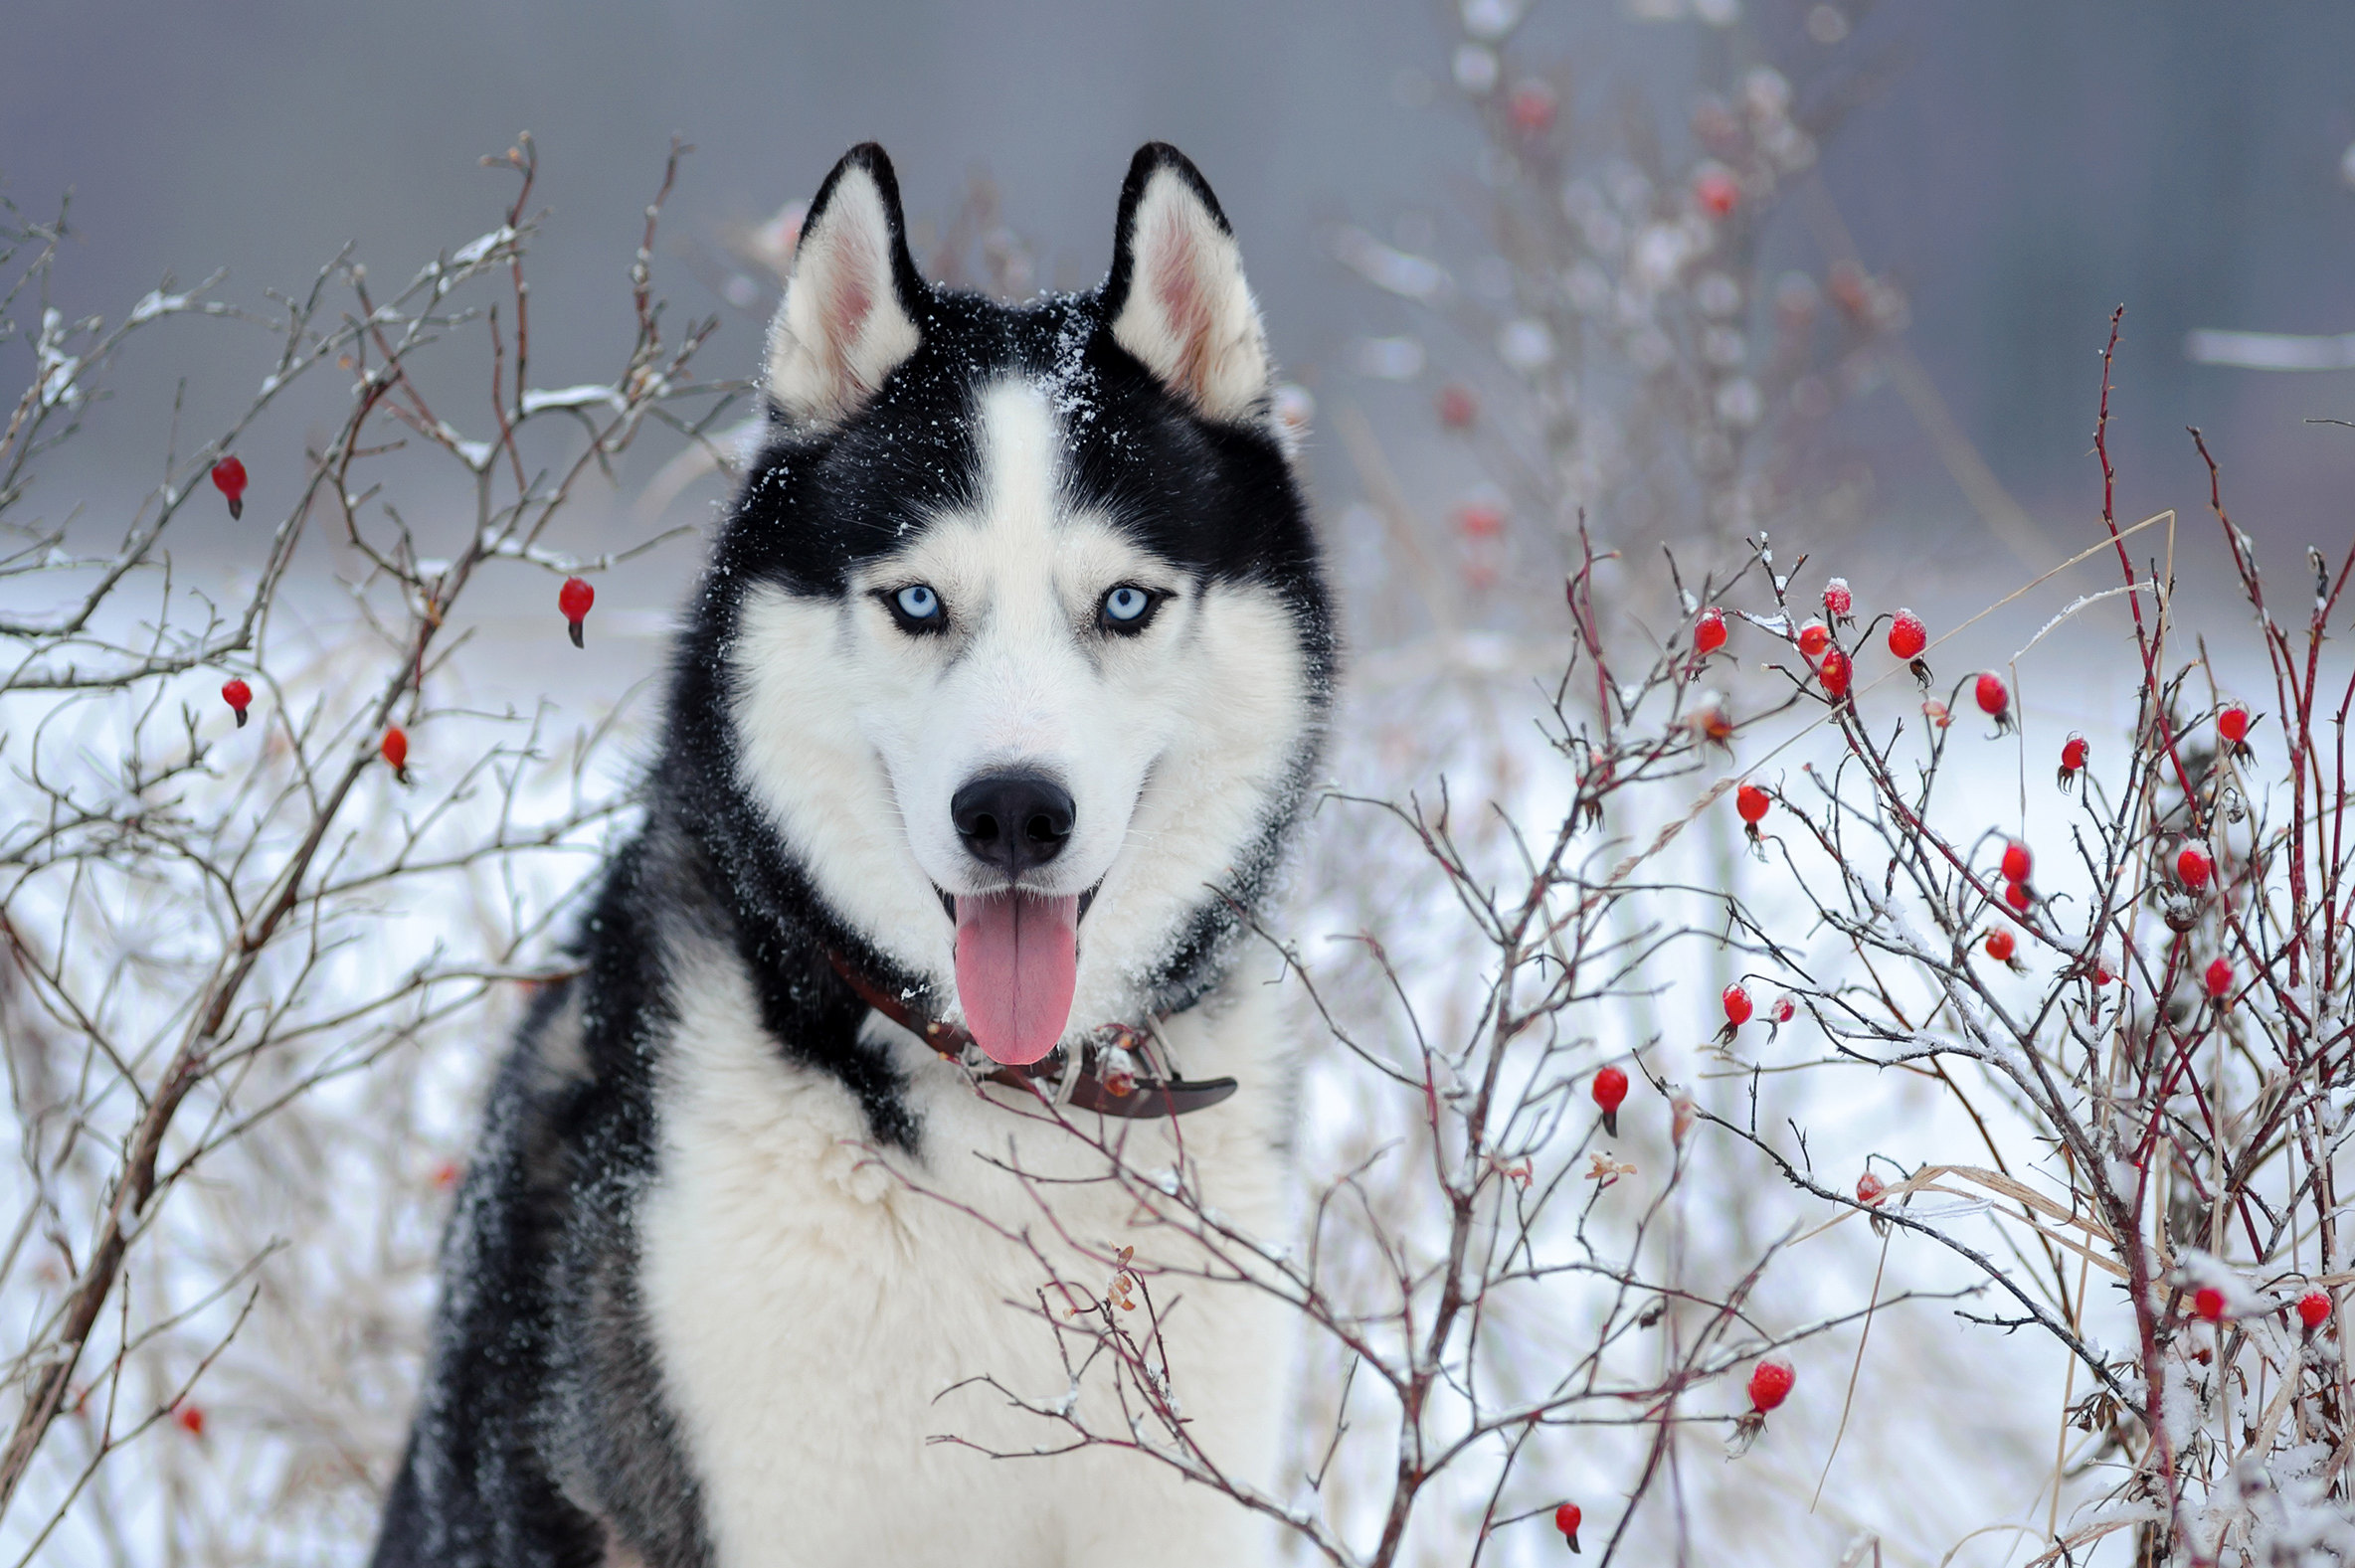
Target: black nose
[(1012, 820)]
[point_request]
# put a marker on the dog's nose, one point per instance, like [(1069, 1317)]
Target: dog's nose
[(1012, 820)]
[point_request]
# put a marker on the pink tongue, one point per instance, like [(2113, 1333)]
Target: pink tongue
[(1017, 961)]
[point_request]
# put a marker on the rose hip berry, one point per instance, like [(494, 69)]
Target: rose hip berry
[(2016, 861), (1738, 1011), (2193, 867), (1531, 108), (1870, 1188), (1709, 632), (1835, 672), (573, 599), (2000, 946), (2208, 1304), (1752, 802), (1839, 602), (1567, 1519), (2017, 895), (191, 1419), (395, 748), (239, 696), (1995, 700), (1814, 638), (1907, 636), (2312, 1308), (1770, 1383), (2072, 760), (2218, 978), (2232, 725), (1610, 1092), (229, 477), (1717, 191)]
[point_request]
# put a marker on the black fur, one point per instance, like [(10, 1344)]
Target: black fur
[(542, 1432)]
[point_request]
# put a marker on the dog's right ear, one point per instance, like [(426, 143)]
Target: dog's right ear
[(849, 314)]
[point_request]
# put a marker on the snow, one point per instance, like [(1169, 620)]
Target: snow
[(155, 303), (587, 394), (1385, 266), (474, 250)]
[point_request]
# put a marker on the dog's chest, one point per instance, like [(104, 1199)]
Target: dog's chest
[(813, 1301)]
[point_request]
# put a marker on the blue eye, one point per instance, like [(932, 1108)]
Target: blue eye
[(918, 603), (1127, 603)]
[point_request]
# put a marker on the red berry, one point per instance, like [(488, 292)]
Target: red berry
[(1839, 602), (2193, 867), (2072, 760), (1835, 672), (396, 749), (1995, 698), (1567, 1519), (2101, 974), (2219, 978), (2233, 724), (1770, 1383), (2016, 861), (229, 477), (2208, 1302), (1737, 1007), (1752, 802), (1716, 189), (2000, 946), (1709, 632), (239, 696), (1531, 108), (573, 599), (191, 1419), (1870, 1188), (1783, 1012), (1480, 521), (1907, 636), (1814, 638), (1610, 1090), (2312, 1308), (2016, 894), (1457, 407)]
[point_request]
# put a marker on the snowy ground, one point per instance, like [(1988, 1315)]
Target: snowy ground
[(1951, 1431)]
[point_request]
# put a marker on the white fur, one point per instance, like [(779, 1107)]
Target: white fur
[(842, 328), (1190, 315), (855, 735), (808, 1305)]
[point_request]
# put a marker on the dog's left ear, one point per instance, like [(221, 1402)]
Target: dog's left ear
[(1176, 297)]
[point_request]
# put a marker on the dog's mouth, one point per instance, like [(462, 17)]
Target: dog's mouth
[(949, 902), (1018, 966)]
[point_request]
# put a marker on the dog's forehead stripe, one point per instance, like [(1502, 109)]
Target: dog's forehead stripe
[(1023, 459)]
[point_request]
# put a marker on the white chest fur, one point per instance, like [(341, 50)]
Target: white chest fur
[(810, 1298)]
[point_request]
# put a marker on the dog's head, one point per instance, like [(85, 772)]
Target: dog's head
[(1020, 638)]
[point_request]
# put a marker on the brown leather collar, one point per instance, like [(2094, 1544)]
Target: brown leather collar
[(1102, 1082)]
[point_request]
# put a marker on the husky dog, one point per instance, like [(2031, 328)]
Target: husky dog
[(988, 726)]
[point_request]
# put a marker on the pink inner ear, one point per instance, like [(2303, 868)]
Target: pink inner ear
[(848, 302), (1177, 283)]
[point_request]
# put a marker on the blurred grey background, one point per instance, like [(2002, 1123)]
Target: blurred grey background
[(2018, 166)]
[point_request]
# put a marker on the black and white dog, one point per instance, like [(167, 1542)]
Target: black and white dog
[(988, 725)]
